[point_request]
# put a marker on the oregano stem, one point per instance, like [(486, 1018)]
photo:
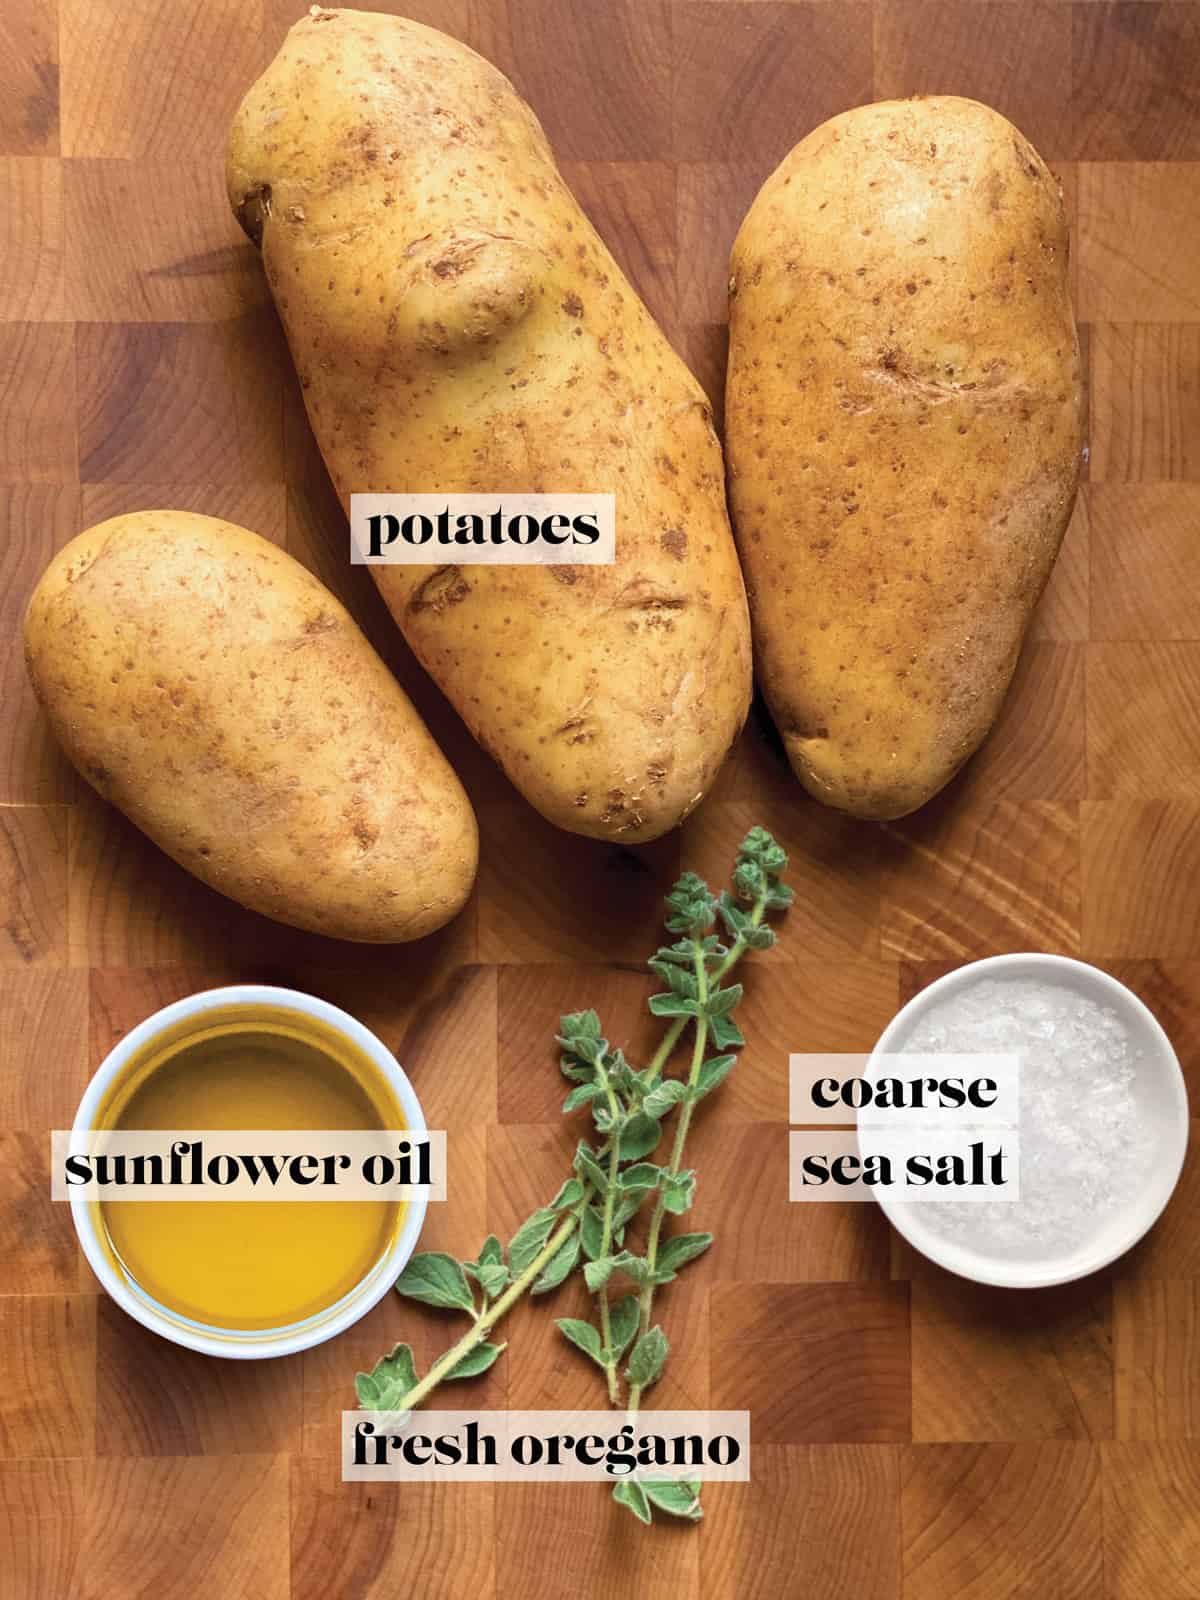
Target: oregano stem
[(673, 1034), (682, 1126), (484, 1323), (614, 1162), (657, 1062), (663, 1054)]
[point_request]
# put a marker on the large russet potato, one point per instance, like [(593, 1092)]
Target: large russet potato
[(210, 687), (458, 326), (904, 431)]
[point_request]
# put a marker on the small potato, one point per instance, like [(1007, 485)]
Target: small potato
[(210, 687), (904, 430), (458, 326)]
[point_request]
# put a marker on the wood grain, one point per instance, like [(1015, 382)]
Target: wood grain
[(47, 1375), (143, 386), (175, 1525), (730, 56), (32, 245), (1153, 1543), (1137, 241), (368, 1539), (827, 1511), (29, 109), (914, 1437), (986, 1522), (1157, 1383), (832, 1361), (1131, 101), (1132, 597), (993, 1365), (973, 882), (37, 403), (1145, 402), (921, 45), (1131, 754), (188, 263), (41, 1514)]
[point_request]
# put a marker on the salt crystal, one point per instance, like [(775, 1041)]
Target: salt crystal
[(1085, 1147)]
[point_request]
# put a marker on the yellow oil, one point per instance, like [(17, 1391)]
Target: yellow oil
[(250, 1265)]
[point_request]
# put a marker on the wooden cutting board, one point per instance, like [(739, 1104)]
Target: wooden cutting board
[(914, 1438)]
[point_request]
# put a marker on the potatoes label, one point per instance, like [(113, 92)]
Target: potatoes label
[(482, 529)]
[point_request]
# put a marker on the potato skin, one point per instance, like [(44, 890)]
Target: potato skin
[(904, 433), (458, 326), (211, 688)]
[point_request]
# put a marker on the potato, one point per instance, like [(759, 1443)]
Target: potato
[(211, 688), (905, 427), (458, 326)]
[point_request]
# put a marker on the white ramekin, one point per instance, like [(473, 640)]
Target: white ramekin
[(1159, 1088), (258, 1344)]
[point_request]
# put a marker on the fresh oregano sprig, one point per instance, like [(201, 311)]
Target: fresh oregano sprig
[(612, 1179), (757, 878)]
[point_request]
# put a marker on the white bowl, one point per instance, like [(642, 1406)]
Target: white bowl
[(1161, 1095), (254, 1344)]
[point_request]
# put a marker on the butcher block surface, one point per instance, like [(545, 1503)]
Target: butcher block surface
[(914, 1437)]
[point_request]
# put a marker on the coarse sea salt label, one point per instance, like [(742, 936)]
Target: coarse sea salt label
[(924, 1125)]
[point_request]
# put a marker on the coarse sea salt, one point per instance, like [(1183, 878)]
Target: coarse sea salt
[(1085, 1147)]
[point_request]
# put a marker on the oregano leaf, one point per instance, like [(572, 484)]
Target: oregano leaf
[(626, 1207), (529, 1239), (677, 1498), (588, 1167), (642, 1175), (436, 1279), (663, 1096), (679, 1192), (635, 1267), (579, 1025), (491, 1252), (673, 1005), (679, 979), (723, 1001), (560, 1265), (476, 1361), (568, 1196), (680, 1249), (591, 1233), (760, 845), (580, 1096), (648, 1358), (622, 1324), (582, 1335), (749, 880), (690, 906), (493, 1277), (603, 1118), (733, 916), (629, 1494), (578, 1071), (682, 953), (391, 1378), (725, 1033), (639, 1137), (597, 1273), (714, 1071)]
